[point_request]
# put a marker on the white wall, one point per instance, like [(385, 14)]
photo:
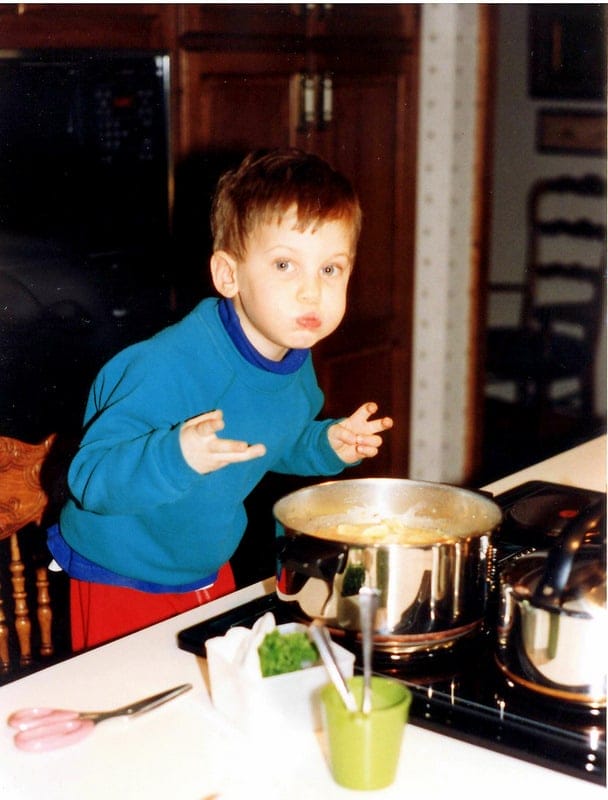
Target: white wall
[(446, 140)]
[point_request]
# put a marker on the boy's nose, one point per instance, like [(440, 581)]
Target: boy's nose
[(309, 290)]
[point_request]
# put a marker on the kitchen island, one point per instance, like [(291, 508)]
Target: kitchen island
[(185, 751)]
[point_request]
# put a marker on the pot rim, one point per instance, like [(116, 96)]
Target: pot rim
[(483, 499), (379, 545)]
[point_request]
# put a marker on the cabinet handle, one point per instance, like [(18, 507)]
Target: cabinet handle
[(309, 91), (315, 102), (327, 100), (320, 10), (306, 101)]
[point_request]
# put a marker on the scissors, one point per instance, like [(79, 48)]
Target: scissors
[(40, 729)]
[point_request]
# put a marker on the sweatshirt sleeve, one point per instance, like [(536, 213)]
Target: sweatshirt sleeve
[(312, 453), (129, 459)]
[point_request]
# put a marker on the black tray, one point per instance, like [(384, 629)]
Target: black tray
[(193, 639)]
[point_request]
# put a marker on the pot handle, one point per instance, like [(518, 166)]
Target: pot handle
[(561, 556), (315, 558)]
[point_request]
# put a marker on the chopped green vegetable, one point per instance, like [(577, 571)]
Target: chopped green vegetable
[(286, 652)]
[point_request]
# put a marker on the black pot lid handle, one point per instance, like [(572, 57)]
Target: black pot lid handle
[(560, 558)]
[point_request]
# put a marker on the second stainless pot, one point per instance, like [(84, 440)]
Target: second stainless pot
[(553, 615), (432, 592)]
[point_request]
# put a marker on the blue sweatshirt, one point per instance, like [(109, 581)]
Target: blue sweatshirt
[(137, 508)]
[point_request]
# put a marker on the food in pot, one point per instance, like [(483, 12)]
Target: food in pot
[(359, 526), (388, 531)]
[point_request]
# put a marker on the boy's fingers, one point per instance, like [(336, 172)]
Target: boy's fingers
[(380, 425), (364, 450), (207, 416), (365, 411), (252, 451), (236, 446), (243, 452), (209, 427)]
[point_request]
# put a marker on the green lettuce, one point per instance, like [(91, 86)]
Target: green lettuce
[(286, 652)]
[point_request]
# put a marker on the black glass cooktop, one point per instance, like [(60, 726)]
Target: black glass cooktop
[(462, 692)]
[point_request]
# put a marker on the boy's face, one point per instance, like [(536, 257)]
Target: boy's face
[(289, 289)]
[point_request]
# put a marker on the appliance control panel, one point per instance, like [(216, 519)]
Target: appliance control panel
[(128, 115)]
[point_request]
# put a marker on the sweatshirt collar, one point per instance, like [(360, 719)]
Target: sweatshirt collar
[(291, 362)]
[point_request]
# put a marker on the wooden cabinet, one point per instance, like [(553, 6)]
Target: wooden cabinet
[(336, 79), (340, 82), (66, 25)]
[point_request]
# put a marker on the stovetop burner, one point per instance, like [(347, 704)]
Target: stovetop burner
[(462, 692), (535, 513)]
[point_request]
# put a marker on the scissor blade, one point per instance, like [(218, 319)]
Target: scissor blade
[(135, 709)]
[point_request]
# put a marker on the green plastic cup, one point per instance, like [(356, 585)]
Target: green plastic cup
[(364, 748)]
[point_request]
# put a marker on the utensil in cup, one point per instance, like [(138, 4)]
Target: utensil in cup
[(320, 636), (364, 749), (368, 603)]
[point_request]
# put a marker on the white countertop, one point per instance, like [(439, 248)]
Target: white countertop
[(184, 751)]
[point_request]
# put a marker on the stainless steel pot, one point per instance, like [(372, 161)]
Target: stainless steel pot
[(431, 593), (553, 618)]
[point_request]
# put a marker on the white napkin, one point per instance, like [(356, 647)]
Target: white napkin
[(246, 642), (235, 674)]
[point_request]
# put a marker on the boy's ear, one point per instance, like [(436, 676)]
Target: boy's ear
[(223, 273)]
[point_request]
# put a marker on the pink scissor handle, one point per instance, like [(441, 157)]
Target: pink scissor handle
[(52, 735), (28, 718)]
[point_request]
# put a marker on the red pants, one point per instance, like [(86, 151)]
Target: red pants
[(100, 612)]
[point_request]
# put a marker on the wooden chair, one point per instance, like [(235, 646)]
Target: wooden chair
[(549, 356), (24, 502)]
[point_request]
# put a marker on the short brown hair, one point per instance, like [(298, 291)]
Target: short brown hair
[(267, 184)]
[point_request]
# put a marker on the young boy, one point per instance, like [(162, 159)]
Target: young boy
[(180, 428)]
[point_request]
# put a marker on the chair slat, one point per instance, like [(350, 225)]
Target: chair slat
[(23, 502)]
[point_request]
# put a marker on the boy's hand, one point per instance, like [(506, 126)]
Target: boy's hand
[(206, 452), (357, 437)]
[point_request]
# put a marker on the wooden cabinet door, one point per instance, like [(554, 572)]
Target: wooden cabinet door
[(235, 112), (368, 358), (224, 113), (234, 102)]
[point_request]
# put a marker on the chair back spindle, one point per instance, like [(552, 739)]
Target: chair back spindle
[(23, 502)]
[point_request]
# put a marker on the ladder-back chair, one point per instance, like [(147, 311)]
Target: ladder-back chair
[(24, 502), (550, 355)]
